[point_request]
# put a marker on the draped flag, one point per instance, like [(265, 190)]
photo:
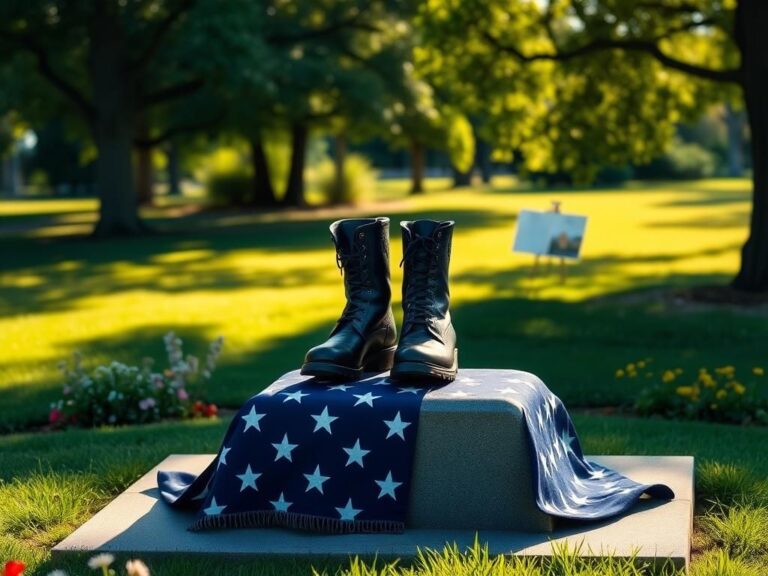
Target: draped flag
[(338, 458)]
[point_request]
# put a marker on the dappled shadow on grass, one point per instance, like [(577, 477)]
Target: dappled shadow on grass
[(54, 274)]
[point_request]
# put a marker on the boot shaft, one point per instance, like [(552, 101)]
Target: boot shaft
[(362, 252), (426, 260)]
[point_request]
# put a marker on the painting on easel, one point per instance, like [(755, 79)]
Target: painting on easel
[(550, 234)]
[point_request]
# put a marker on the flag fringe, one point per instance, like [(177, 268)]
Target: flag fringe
[(296, 521)]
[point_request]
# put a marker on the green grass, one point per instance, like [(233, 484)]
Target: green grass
[(267, 282)]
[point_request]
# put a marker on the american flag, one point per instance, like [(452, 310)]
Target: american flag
[(339, 458), (305, 455)]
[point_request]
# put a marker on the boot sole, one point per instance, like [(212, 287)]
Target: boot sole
[(420, 370), (379, 361)]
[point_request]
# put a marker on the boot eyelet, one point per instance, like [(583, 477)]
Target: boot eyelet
[(361, 236)]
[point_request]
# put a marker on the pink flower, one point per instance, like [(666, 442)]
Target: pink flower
[(147, 403), (54, 416), (182, 395)]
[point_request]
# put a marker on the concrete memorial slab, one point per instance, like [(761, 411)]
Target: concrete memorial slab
[(139, 523)]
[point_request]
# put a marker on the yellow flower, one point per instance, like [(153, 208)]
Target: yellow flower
[(630, 367), (758, 371), (668, 376), (725, 370), (721, 394), (641, 364), (619, 373), (706, 380), (738, 387), (686, 391)]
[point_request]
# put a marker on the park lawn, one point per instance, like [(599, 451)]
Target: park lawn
[(268, 283), (51, 483)]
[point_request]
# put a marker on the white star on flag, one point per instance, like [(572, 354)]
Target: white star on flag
[(409, 389), (248, 479), (315, 480), (348, 512), (284, 449), (214, 509), (567, 439), (280, 504), (356, 454), (252, 419), (342, 387), (598, 474), (388, 486), (396, 426), (298, 395), (323, 420), (223, 457), (366, 398)]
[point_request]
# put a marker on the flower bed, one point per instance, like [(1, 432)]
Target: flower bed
[(122, 394), (710, 394)]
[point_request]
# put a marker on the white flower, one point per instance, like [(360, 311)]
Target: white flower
[(57, 573), (101, 561), (136, 568)]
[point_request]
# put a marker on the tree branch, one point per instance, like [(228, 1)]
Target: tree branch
[(632, 45), (174, 131), (46, 70), (172, 92), (162, 30)]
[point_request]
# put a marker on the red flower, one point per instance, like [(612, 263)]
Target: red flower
[(54, 416), (198, 407), (13, 568), (211, 410)]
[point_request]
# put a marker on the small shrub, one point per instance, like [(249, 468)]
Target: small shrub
[(715, 395), (121, 394), (227, 177), (359, 180), (740, 530), (683, 161)]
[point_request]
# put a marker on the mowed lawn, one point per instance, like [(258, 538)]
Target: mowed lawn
[(268, 283)]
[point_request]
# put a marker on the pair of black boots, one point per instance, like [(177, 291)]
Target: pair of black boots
[(365, 337)]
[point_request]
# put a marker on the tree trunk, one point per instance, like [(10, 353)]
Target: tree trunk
[(461, 179), (174, 176), (751, 24), (339, 159), (483, 160), (263, 191), (734, 122), (112, 125), (417, 167), (144, 171), (294, 192)]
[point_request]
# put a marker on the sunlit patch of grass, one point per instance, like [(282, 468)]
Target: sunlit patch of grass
[(720, 563), (452, 561), (43, 508), (721, 483), (740, 530)]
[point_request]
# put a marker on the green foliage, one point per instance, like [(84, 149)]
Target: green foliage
[(120, 394), (226, 173), (720, 563), (461, 143), (358, 181)]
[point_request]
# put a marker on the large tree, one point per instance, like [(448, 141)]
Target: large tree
[(619, 74), (115, 63)]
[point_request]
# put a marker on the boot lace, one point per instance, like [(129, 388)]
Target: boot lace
[(350, 264), (421, 259)]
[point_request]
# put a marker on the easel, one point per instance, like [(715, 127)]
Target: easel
[(555, 208)]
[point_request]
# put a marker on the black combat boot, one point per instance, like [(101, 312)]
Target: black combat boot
[(427, 347), (365, 337)]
